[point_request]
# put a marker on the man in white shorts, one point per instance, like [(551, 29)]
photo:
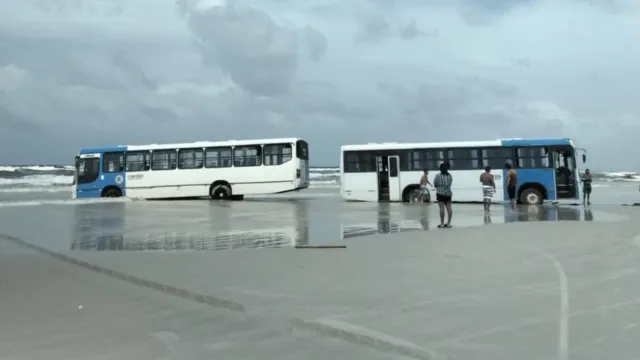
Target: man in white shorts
[(488, 187)]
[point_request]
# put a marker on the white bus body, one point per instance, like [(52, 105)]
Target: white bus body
[(546, 168), (221, 169)]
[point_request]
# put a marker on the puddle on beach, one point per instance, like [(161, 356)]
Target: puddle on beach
[(201, 226)]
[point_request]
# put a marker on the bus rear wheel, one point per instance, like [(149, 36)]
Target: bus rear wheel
[(531, 196), (221, 192)]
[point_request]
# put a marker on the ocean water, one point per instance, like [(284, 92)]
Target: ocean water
[(58, 178)]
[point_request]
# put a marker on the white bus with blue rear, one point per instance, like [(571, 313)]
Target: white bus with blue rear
[(225, 170), (547, 169)]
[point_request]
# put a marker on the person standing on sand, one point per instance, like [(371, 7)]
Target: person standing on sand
[(512, 183), (586, 187), (488, 187), (424, 181), (442, 182)]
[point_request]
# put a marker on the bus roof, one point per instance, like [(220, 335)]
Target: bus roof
[(196, 144), (456, 144)]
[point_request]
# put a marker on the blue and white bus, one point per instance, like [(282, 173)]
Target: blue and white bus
[(547, 169), (221, 170)]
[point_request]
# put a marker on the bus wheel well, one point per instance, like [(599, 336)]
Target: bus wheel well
[(111, 191), (406, 193), (531, 191), (220, 189)]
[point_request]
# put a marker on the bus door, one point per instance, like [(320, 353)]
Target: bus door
[(565, 173), (382, 170), (395, 194)]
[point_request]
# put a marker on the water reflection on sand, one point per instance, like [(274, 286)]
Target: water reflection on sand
[(205, 226)]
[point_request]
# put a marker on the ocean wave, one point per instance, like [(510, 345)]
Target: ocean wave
[(53, 178)]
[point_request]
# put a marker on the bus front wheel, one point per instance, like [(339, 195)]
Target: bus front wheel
[(531, 196), (221, 192), (112, 193)]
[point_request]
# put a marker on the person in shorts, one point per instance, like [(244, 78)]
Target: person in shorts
[(511, 184), (442, 182), (424, 181), (586, 187), (488, 187)]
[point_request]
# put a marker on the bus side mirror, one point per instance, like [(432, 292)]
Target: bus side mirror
[(584, 158)]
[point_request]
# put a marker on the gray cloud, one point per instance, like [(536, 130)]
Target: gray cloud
[(426, 70), (258, 54), (315, 41), (122, 59)]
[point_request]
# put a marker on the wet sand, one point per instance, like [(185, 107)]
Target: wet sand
[(54, 310), (526, 287), (284, 221)]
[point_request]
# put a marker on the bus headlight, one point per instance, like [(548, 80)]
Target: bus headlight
[(298, 173)]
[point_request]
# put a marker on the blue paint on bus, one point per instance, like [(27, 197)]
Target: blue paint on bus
[(115, 177), (536, 142), (544, 177)]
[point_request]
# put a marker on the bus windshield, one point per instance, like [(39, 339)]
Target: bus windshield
[(87, 170)]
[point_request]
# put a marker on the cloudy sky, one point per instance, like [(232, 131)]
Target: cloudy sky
[(79, 73)]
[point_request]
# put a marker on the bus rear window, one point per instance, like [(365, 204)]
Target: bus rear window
[(302, 150)]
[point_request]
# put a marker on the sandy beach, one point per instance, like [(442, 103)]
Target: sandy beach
[(540, 283)]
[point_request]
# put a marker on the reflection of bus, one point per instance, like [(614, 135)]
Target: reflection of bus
[(385, 223), (143, 226), (418, 219), (550, 213), (547, 169), (236, 239), (221, 170)]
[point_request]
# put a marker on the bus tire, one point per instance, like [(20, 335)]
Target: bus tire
[(531, 196), (220, 191), (408, 192), (112, 192)]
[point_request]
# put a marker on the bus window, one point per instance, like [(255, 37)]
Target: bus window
[(532, 157), (277, 154), (247, 156), (164, 160), (217, 157), (88, 170), (359, 161), (497, 157), (138, 161), (302, 150), (113, 162), (190, 158)]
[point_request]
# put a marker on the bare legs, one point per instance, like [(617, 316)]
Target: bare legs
[(443, 207)]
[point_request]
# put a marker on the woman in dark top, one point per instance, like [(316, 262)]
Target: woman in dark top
[(442, 182), (586, 187)]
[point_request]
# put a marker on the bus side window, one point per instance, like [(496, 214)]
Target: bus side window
[(113, 162), (137, 161)]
